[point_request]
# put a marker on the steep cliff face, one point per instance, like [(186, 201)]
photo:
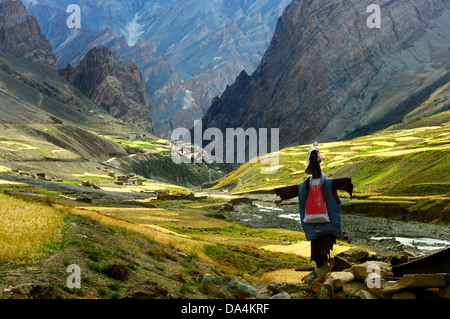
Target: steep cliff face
[(170, 103), (200, 45), (116, 86), (20, 34), (327, 74)]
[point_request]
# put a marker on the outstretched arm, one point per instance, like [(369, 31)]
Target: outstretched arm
[(342, 184), (286, 193)]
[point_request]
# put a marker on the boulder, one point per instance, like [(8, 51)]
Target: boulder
[(281, 295), (340, 295), (122, 178), (309, 278), (322, 290), (350, 289), (368, 295), (24, 289), (276, 287), (341, 263), (380, 257), (226, 288), (86, 184), (408, 253), (378, 291), (241, 291), (263, 294), (417, 281), (338, 279), (355, 253), (149, 290), (361, 271)]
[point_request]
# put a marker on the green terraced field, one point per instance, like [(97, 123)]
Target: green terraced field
[(405, 165), (402, 162)]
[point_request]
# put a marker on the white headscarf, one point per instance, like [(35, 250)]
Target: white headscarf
[(313, 148)]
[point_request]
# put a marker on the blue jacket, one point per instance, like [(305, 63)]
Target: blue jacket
[(334, 227)]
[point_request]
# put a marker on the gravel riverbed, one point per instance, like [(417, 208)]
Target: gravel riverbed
[(376, 233)]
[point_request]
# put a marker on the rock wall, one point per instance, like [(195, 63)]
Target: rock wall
[(20, 34), (116, 86), (326, 73)]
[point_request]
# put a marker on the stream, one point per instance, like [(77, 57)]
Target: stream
[(376, 233)]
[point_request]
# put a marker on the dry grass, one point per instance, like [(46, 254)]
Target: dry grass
[(159, 234), (160, 216), (26, 227), (147, 186), (8, 183), (4, 169), (285, 275), (302, 249)]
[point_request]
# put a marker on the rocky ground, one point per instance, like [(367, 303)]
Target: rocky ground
[(350, 276), (379, 234)]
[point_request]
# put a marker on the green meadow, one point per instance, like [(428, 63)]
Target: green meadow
[(407, 166)]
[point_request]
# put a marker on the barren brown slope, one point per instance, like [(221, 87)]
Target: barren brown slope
[(20, 34), (327, 74), (116, 86)]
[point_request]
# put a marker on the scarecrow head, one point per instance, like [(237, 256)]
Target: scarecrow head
[(313, 160)]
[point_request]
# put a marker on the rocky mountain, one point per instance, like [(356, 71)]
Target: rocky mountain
[(201, 45), (20, 34), (64, 130), (116, 86), (164, 89), (327, 75)]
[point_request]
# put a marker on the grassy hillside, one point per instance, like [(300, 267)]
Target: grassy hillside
[(408, 166), (386, 162)]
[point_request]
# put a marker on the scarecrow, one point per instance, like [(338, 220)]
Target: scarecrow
[(319, 209)]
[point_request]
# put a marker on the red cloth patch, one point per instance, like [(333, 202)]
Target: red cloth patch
[(316, 210)]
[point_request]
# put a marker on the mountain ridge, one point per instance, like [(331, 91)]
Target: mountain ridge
[(20, 34), (202, 45), (116, 86), (333, 74)]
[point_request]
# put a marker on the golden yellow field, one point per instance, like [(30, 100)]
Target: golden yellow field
[(26, 227), (4, 169), (302, 249), (286, 275)]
